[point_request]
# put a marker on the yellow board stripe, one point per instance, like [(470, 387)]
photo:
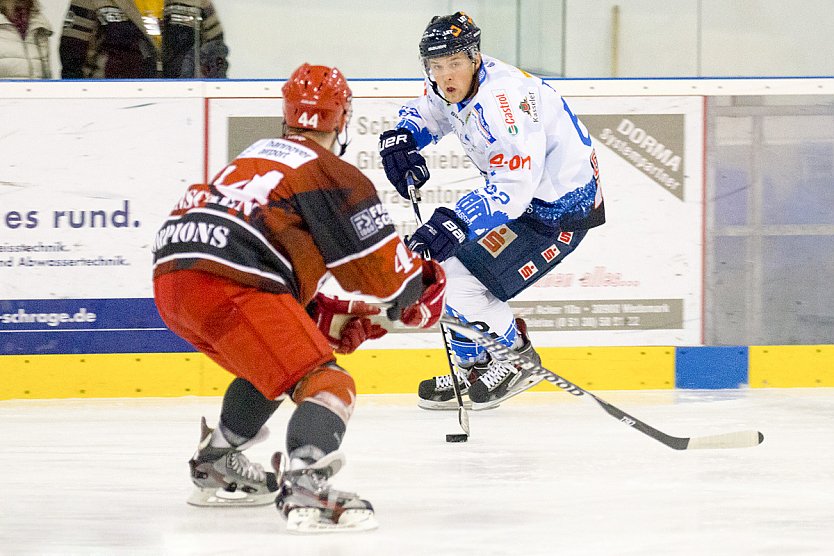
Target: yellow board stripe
[(375, 372), (791, 366), (111, 375), (385, 371)]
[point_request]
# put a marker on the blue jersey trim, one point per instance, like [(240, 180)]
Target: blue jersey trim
[(575, 205)]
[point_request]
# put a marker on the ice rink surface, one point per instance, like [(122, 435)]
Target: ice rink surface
[(545, 473)]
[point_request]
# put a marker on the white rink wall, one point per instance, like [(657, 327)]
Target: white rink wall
[(125, 150)]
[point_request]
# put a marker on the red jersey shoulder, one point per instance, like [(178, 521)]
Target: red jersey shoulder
[(328, 171), (197, 195), (282, 168), (278, 153), (346, 175)]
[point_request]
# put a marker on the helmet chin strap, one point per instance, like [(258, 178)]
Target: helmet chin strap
[(342, 145)]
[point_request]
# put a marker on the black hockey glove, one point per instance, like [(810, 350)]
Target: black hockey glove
[(440, 236), (400, 155)]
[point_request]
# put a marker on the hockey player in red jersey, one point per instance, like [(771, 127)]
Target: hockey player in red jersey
[(237, 267)]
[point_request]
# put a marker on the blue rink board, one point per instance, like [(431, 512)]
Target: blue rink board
[(127, 325)]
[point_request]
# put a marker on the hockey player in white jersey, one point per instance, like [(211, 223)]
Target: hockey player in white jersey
[(540, 196)]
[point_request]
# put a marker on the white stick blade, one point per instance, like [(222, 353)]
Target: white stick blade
[(743, 439), (463, 419)]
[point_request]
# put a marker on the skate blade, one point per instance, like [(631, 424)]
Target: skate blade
[(221, 498), (449, 405), (515, 390), (307, 521), (445, 406)]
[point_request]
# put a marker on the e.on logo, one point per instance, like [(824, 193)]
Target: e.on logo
[(550, 253), (497, 239), (514, 163), (528, 270)]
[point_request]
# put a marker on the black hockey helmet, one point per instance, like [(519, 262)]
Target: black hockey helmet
[(450, 34)]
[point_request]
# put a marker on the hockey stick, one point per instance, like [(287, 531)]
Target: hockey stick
[(743, 439), (463, 416)]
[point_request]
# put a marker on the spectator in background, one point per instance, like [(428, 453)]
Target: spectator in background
[(24, 40), (124, 39)]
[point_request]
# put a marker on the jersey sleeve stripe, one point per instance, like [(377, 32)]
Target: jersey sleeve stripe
[(249, 229), (376, 246), (404, 286), (225, 262)]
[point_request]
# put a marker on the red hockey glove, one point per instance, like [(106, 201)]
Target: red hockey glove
[(426, 311), (346, 333)]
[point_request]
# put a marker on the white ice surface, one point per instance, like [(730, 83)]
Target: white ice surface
[(544, 474)]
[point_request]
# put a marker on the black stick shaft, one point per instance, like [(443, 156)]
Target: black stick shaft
[(743, 439), (463, 416)]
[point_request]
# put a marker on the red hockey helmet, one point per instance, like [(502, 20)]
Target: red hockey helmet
[(317, 97)]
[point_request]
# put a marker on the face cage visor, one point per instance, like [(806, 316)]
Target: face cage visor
[(471, 53)]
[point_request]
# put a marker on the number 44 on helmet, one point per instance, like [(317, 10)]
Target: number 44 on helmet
[(318, 98)]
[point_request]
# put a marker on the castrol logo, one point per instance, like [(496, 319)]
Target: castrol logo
[(504, 105)]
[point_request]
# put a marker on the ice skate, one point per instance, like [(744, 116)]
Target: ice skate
[(225, 477), (500, 381), (311, 505), (439, 392)]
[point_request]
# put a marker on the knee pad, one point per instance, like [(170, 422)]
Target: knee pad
[(329, 386)]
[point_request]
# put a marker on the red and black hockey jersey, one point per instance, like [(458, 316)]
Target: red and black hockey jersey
[(283, 215)]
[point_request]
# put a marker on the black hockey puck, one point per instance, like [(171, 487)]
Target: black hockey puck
[(457, 437)]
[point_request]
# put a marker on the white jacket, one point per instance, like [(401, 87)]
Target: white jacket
[(25, 58), (527, 144)]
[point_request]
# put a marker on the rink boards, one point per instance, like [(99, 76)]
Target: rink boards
[(399, 371), (76, 311)]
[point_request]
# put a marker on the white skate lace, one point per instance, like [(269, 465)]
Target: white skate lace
[(496, 372), (241, 465), (444, 382)]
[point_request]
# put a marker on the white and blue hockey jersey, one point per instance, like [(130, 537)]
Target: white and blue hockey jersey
[(536, 156)]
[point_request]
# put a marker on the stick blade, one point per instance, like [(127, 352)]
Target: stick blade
[(742, 439), (463, 419)]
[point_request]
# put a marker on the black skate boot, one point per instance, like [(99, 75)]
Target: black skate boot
[(439, 392), (310, 505), (225, 477), (499, 380)]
